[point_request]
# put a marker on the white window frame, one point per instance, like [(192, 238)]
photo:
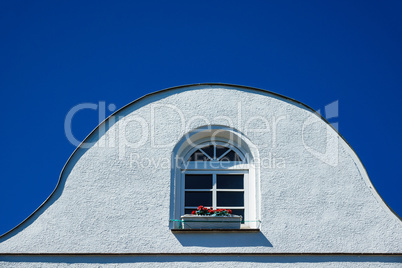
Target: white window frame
[(214, 189), (230, 138), (225, 167)]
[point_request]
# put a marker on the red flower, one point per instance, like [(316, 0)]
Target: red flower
[(229, 211), (210, 211), (192, 213), (205, 209), (200, 207)]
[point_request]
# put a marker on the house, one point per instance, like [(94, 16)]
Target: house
[(303, 194)]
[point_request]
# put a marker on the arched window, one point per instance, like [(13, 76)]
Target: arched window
[(215, 167), (216, 151), (208, 180)]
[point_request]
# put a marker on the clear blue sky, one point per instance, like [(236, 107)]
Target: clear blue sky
[(55, 55)]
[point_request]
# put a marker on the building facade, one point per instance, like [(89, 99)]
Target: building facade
[(304, 196)]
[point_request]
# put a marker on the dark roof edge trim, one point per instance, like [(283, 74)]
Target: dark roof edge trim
[(209, 253)]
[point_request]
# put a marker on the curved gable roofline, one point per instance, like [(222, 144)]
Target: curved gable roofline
[(279, 96)]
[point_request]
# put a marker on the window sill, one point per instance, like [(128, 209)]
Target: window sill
[(245, 230)]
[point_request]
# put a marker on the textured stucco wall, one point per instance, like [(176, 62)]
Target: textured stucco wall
[(109, 201)]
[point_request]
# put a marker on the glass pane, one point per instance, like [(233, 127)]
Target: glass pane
[(232, 181), (188, 211), (237, 212), (209, 150), (230, 199), (231, 156), (198, 156), (220, 150), (195, 199), (198, 181)]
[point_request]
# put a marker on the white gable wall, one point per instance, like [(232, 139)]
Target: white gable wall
[(116, 199)]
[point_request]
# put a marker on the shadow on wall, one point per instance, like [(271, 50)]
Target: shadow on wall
[(223, 240)]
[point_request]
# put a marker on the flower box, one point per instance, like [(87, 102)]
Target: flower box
[(210, 222)]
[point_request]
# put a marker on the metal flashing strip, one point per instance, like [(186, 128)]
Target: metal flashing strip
[(210, 254)]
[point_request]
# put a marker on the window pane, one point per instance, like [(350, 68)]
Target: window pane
[(230, 199), (188, 211), (195, 199), (230, 181), (231, 156), (209, 150), (198, 181), (220, 150), (198, 156), (237, 212)]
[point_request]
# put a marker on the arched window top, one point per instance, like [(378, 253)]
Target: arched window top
[(216, 151)]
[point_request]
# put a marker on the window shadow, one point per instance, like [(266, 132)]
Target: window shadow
[(216, 239)]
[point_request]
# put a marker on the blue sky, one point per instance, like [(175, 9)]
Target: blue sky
[(55, 55)]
